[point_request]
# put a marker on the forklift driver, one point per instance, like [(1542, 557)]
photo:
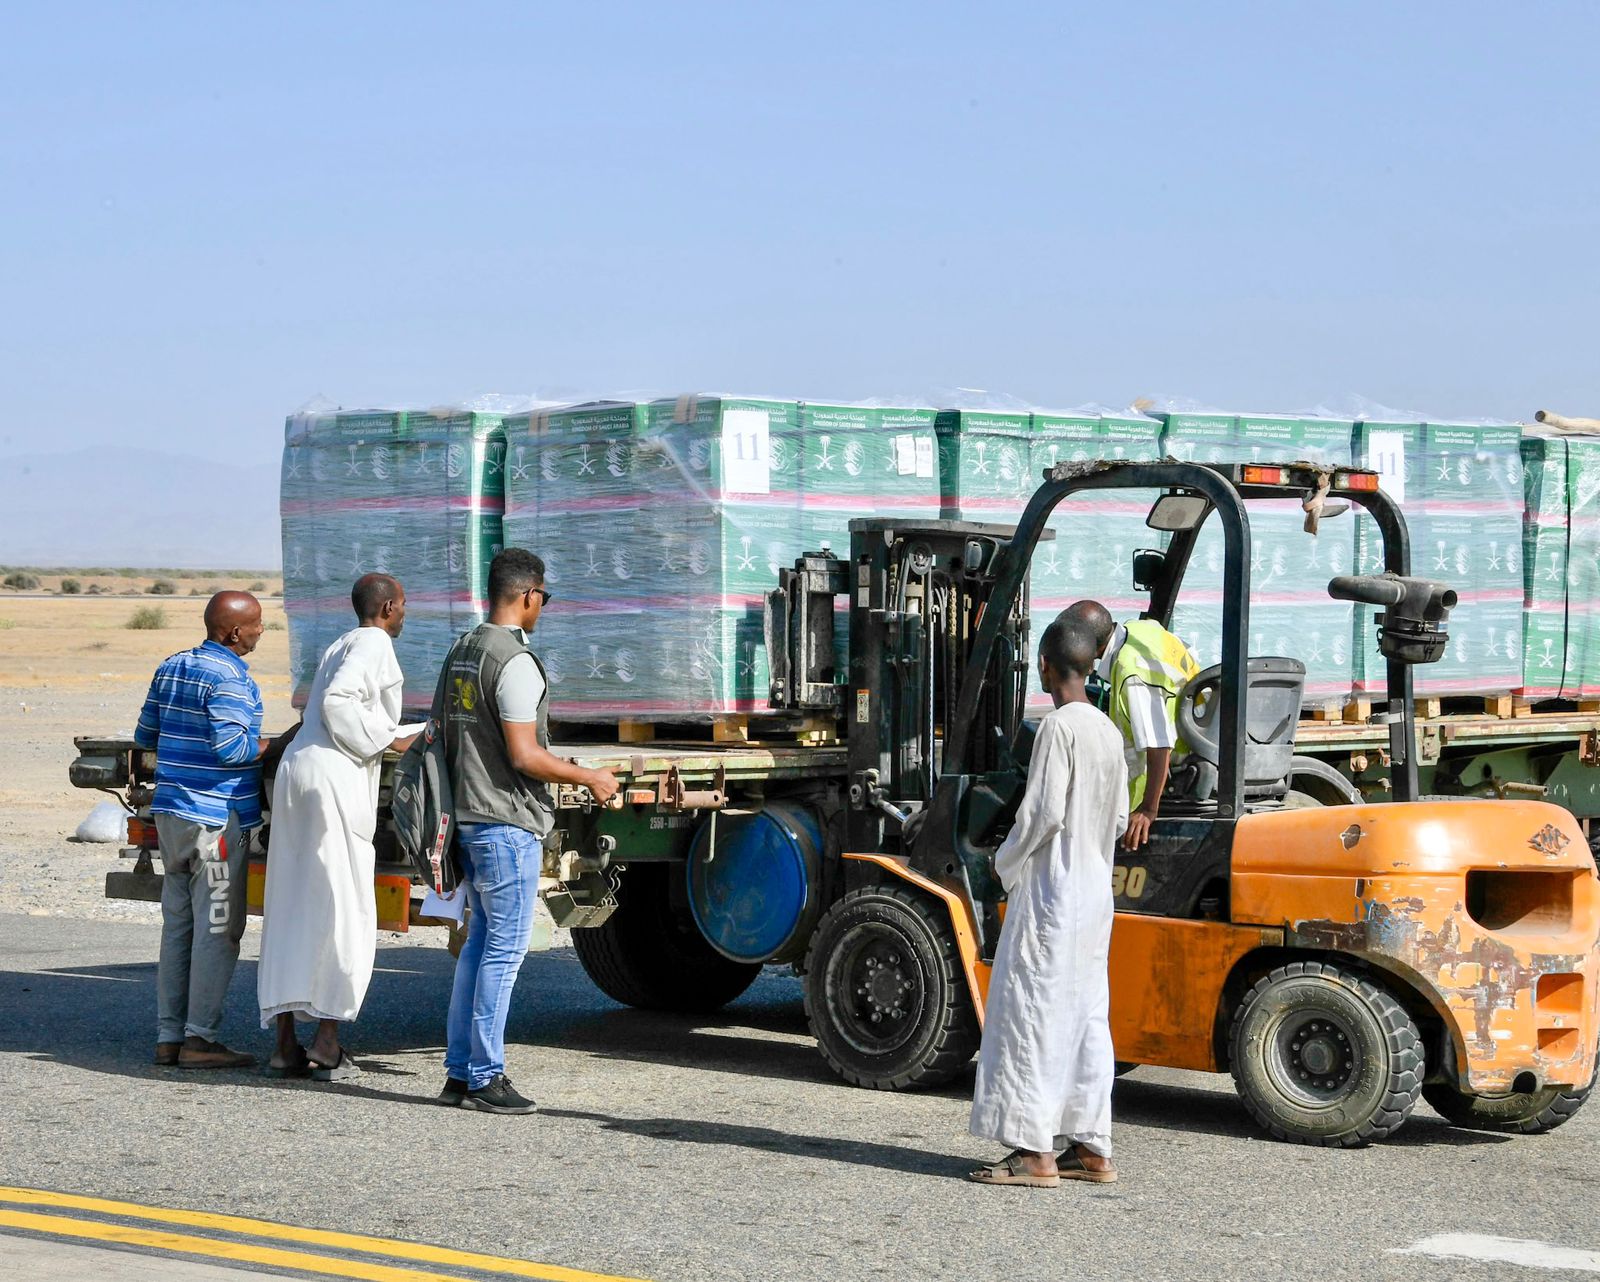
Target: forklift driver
[(1143, 668)]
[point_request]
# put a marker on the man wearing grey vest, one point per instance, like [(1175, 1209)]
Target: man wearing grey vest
[(493, 702)]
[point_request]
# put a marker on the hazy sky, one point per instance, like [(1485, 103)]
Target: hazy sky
[(212, 213)]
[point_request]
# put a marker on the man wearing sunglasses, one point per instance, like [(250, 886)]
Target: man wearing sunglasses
[(493, 703)]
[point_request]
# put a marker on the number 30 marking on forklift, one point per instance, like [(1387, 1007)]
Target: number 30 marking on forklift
[(1127, 881)]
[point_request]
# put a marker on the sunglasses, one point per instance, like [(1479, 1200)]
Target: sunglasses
[(544, 595)]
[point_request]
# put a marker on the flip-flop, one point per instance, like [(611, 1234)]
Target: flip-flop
[(1009, 1170), (1070, 1167), (343, 1071), (302, 1069)]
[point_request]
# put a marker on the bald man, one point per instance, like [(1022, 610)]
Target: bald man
[(1144, 668), (319, 928), (203, 718)]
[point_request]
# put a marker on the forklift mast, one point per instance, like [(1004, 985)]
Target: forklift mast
[(917, 592)]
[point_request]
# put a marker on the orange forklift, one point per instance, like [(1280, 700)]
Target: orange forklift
[(1339, 960)]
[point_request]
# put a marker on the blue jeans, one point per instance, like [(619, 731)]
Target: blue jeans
[(500, 871)]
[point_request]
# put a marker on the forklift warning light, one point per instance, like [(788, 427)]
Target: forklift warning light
[(1355, 481), (1255, 475)]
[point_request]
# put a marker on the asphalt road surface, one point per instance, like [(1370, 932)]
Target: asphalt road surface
[(683, 1148)]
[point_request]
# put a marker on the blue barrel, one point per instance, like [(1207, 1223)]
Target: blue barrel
[(753, 882)]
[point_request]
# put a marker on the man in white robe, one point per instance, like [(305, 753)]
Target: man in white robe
[(1045, 1066), (319, 922)]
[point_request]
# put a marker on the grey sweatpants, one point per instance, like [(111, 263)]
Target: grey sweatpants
[(202, 920)]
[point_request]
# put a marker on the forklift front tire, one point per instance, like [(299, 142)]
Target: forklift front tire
[(1527, 1112), (1321, 1055), (885, 991)]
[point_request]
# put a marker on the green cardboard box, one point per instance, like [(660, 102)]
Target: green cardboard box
[(985, 464)]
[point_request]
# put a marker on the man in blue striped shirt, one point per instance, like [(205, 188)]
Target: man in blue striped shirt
[(203, 718)]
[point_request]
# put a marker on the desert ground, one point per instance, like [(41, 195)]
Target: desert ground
[(70, 665)]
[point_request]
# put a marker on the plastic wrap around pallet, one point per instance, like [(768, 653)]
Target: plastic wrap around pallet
[(1561, 567), (416, 494), (663, 526), (664, 523), (1460, 486), (1096, 533), (1291, 614)]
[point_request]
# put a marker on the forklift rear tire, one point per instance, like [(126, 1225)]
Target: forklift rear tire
[(1322, 1055), (1527, 1112), (886, 995), (648, 955)]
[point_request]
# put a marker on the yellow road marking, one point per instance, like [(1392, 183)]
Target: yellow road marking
[(394, 1249), (216, 1248)]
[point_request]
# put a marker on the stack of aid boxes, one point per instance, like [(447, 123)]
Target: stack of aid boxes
[(663, 526), (1096, 532), (1460, 486), (1583, 568), (986, 468), (1546, 534), (1291, 613), (992, 462), (1561, 567), (416, 494), (574, 496)]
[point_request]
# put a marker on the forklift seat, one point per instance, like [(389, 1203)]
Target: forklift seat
[(1272, 712)]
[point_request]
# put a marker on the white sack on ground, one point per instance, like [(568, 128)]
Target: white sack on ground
[(106, 822)]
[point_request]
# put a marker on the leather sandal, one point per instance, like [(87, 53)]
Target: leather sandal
[(1009, 1170)]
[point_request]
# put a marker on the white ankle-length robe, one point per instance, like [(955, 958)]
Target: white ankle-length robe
[(319, 927), (1045, 1066)]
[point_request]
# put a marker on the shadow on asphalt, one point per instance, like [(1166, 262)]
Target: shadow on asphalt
[(1184, 1108), (102, 1018), (889, 1157)]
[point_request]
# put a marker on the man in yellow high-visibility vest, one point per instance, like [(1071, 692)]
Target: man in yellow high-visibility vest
[(1144, 667)]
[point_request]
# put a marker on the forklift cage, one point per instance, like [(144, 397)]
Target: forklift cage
[(1226, 491)]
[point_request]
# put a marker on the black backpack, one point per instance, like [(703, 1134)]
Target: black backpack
[(422, 806)]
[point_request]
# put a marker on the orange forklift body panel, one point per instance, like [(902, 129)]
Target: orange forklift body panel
[(1489, 911)]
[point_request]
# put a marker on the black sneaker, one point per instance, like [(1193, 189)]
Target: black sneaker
[(455, 1090), (499, 1096)]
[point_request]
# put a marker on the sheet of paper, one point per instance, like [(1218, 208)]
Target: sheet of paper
[(924, 457), (1386, 455), (905, 455), (451, 907), (410, 728), (746, 457)]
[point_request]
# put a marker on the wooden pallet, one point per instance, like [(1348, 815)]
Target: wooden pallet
[(745, 727), (1358, 709), (726, 728), (1497, 706)]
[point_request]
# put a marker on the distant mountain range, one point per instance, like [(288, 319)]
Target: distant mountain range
[(138, 508)]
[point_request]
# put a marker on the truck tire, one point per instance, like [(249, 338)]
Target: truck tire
[(1322, 1055), (885, 992), (648, 955), (1525, 1112)]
